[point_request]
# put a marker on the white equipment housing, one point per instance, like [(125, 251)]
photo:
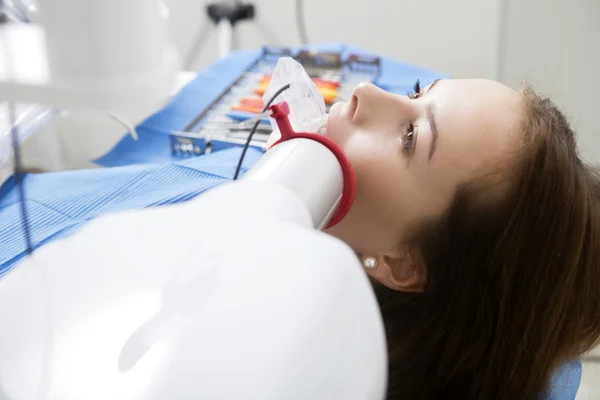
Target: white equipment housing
[(232, 295)]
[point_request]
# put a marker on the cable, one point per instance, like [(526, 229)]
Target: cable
[(19, 177), (125, 124), (301, 22), (12, 120), (253, 130)]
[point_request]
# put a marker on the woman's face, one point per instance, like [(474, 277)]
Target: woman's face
[(410, 153)]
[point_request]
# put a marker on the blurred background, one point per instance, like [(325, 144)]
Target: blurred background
[(553, 44)]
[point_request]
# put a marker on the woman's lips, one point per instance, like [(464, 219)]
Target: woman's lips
[(335, 109), (341, 113)]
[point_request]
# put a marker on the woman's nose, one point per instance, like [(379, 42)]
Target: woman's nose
[(373, 103)]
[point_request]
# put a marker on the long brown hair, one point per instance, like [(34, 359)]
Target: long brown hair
[(513, 284)]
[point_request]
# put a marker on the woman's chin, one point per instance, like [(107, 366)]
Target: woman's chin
[(323, 129)]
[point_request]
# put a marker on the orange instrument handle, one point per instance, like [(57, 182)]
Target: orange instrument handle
[(260, 90), (317, 81), (328, 95), (253, 110), (252, 102), (324, 82)]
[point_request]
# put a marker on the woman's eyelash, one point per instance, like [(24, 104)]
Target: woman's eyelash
[(408, 139), (417, 87), (416, 92)]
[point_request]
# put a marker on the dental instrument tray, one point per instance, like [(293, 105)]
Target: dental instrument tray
[(221, 125)]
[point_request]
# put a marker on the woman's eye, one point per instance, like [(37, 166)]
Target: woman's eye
[(408, 139)]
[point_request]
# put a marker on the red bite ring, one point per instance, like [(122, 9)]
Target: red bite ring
[(280, 113)]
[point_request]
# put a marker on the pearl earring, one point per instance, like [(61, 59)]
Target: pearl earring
[(370, 263)]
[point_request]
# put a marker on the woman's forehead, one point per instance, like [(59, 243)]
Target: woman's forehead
[(478, 122)]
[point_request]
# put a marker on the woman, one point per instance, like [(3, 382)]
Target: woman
[(482, 226)]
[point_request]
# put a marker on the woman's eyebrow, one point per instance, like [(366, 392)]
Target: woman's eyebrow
[(434, 132), (430, 109), (433, 85)]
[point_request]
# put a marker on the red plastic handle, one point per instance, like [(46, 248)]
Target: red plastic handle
[(280, 113)]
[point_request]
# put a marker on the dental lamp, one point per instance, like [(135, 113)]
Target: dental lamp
[(109, 55), (180, 301)]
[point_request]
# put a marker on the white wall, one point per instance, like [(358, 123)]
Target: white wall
[(432, 33), (554, 44)]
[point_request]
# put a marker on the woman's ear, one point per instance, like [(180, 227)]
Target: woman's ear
[(398, 271)]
